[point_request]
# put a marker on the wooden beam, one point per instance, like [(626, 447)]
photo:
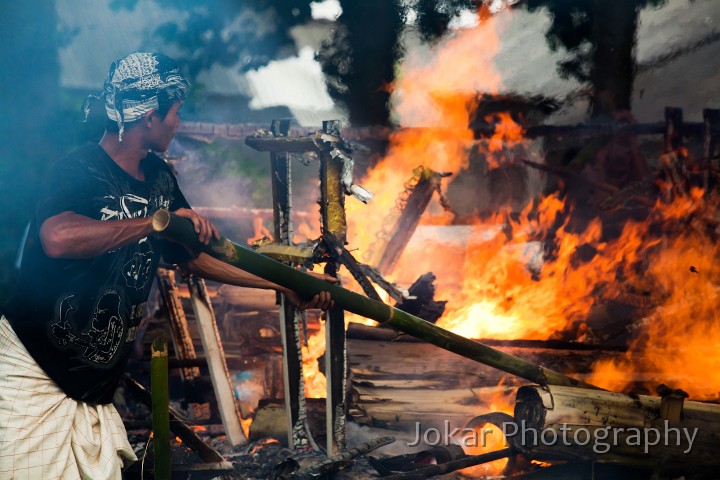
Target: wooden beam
[(710, 147), (673, 128), (276, 144)]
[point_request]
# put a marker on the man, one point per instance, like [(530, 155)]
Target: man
[(86, 273)]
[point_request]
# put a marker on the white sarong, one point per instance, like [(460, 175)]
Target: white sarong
[(44, 434)]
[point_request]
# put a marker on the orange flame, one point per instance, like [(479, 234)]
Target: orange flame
[(435, 94), (261, 231), (676, 342), (245, 424), (315, 383)]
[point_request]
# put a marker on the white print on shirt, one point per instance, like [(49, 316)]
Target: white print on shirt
[(127, 206), (136, 271), (106, 331)]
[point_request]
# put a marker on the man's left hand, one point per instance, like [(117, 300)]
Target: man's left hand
[(322, 300)]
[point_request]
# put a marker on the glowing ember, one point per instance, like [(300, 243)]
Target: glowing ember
[(266, 441)]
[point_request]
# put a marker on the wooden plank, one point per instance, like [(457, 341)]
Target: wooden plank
[(182, 341), (215, 357)]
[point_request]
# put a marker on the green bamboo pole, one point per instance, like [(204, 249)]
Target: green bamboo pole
[(160, 408), (181, 230)]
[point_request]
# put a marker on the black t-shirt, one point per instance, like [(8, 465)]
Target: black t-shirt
[(78, 318)]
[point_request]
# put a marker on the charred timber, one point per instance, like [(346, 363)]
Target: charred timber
[(481, 129), (313, 143), (181, 230)]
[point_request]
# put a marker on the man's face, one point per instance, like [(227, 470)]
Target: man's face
[(164, 130)]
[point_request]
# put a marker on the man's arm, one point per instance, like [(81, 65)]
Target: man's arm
[(213, 269), (71, 235)]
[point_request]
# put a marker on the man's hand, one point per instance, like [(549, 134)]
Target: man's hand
[(322, 300), (205, 229)]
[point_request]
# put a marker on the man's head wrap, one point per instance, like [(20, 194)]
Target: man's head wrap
[(138, 84)]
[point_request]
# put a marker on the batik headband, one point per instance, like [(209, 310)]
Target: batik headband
[(135, 83)]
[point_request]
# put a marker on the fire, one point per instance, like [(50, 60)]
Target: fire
[(537, 275), (315, 383), (434, 100), (676, 342), (261, 231), (245, 424), (507, 134)]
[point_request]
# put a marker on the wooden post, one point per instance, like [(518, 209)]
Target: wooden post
[(710, 148), (673, 128), (332, 209), (160, 405), (215, 358), (182, 341), (299, 436), (673, 164)]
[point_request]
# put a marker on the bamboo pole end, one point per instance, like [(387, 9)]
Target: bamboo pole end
[(159, 347), (160, 220)]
